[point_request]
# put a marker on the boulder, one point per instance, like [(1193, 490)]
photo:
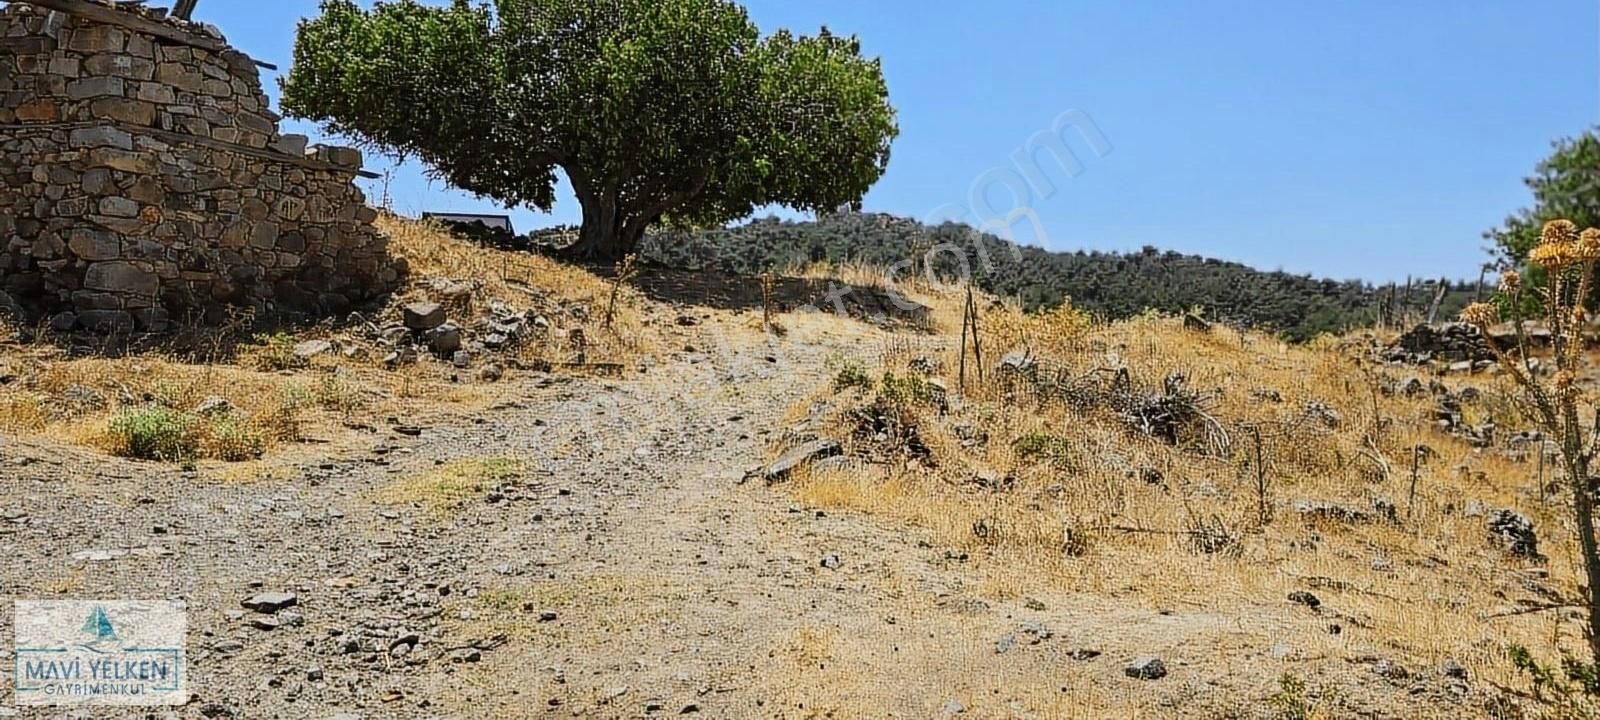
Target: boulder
[(1514, 532), (444, 339), (423, 316)]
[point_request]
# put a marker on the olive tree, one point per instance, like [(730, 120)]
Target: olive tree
[(654, 110)]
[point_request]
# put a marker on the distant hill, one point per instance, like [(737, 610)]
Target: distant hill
[(1112, 285)]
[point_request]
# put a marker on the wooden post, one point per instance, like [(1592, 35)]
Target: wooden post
[(966, 310), (1438, 297), (1263, 512), (1411, 497), (977, 341)]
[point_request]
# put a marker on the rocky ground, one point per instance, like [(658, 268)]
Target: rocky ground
[(625, 568)]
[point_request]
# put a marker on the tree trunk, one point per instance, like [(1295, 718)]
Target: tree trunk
[(607, 233)]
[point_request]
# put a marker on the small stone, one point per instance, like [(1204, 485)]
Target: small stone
[(1146, 668), (953, 708), (491, 372), (314, 673), (270, 602), (1452, 669), (213, 406), (312, 348), (812, 451), (831, 561), (1301, 597)]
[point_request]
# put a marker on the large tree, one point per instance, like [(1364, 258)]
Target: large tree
[(654, 110), (1566, 186)]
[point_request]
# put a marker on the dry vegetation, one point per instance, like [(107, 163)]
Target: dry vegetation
[(240, 392), (1122, 462)]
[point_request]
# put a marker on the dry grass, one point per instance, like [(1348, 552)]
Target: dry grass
[(113, 404), (1054, 488), (447, 487), (573, 299)]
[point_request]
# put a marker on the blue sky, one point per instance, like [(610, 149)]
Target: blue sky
[(1369, 138)]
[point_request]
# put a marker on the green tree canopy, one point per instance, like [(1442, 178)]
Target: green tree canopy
[(654, 110), (1565, 185)]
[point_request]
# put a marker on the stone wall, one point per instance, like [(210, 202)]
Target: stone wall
[(143, 181)]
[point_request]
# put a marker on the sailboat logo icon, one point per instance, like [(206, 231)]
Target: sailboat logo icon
[(99, 627)]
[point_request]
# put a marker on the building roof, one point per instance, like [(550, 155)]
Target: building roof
[(495, 222)]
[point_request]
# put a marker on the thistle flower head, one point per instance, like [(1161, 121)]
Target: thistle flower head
[(1588, 247), (1558, 232), (1510, 282), (1480, 314), (1554, 255)]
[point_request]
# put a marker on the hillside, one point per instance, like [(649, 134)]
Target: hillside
[(1111, 285)]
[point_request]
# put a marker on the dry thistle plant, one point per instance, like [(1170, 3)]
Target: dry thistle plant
[(768, 282), (1568, 258), (625, 273)]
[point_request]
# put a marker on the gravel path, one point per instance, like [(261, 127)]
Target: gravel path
[(629, 571)]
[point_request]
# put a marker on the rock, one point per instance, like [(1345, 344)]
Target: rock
[(812, 451), (1005, 644), (312, 348), (1266, 395), (423, 316), (1018, 361), (1036, 632), (491, 372), (1196, 323), (444, 339), (1514, 531), (1301, 597), (953, 708), (1323, 413), (270, 602), (1146, 668), (831, 561), (1390, 670), (63, 321), (213, 406), (1452, 669)]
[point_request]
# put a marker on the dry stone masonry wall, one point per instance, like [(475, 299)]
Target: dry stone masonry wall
[(143, 181)]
